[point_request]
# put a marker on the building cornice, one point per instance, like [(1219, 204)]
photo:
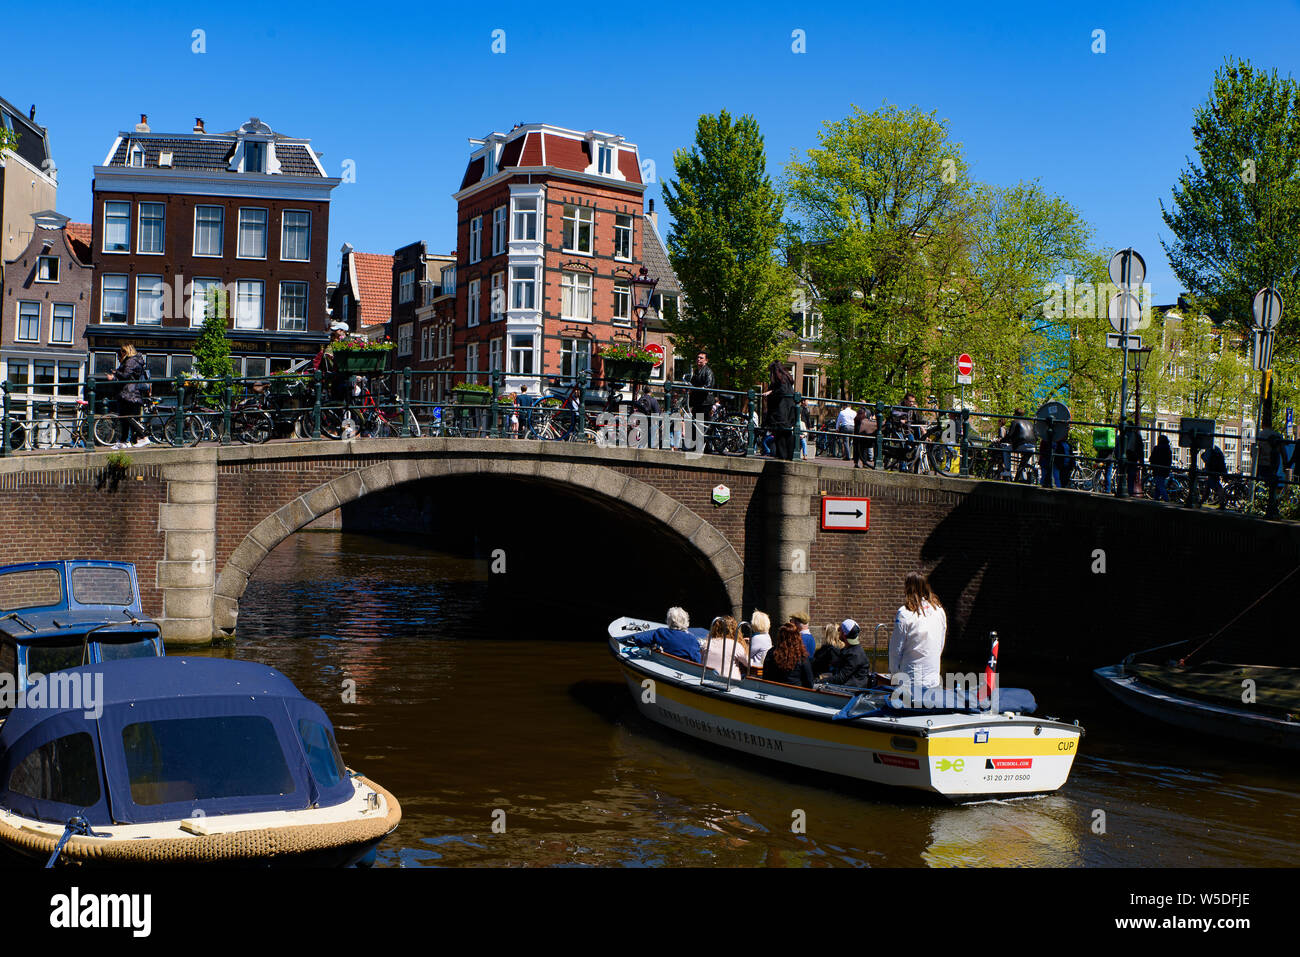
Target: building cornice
[(553, 172), (119, 179)]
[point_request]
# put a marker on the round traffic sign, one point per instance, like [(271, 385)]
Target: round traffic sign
[(964, 364), (658, 351), (1127, 268), (1267, 306), (1124, 311)]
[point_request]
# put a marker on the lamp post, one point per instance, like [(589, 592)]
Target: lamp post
[(643, 286), (1139, 359)]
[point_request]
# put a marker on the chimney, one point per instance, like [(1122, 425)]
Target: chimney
[(31, 114), (198, 125), (654, 217), (143, 125)]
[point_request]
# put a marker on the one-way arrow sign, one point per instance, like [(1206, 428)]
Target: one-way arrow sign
[(846, 514)]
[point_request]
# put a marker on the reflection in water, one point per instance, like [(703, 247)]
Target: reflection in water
[(460, 720)]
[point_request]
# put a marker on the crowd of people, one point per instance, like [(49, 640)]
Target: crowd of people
[(793, 656)]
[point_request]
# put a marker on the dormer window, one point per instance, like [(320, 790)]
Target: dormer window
[(254, 156), (490, 162), (604, 160), (137, 155)]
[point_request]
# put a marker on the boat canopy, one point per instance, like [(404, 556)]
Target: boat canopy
[(69, 585), (164, 739)]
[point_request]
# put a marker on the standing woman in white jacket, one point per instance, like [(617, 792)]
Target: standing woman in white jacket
[(920, 629)]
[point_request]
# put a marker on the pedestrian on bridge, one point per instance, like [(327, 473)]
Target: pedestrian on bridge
[(781, 410)]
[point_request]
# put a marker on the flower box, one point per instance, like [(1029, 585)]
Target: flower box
[(471, 396), (628, 370), (353, 361)]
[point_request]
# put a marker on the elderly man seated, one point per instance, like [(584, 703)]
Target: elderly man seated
[(675, 639)]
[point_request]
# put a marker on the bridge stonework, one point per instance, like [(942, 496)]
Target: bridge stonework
[(1059, 574)]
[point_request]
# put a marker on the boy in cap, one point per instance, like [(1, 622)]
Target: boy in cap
[(850, 667)]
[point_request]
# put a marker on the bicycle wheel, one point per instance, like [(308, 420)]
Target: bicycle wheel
[(252, 426), (942, 458), (106, 430), (17, 433), (414, 427), (191, 430), (331, 423)]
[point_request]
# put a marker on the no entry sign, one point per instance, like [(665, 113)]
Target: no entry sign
[(846, 514), (965, 366), (658, 351)]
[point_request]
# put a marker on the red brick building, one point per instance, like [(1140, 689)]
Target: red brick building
[(175, 215), (549, 237)]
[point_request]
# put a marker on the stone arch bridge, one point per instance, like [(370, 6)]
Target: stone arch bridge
[(198, 522)]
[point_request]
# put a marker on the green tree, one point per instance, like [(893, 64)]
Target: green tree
[(1195, 369), (726, 220), (881, 206), (8, 139), (1235, 214), (211, 347)]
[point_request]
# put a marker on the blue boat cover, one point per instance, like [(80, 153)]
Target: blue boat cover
[(173, 736), (1017, 700)]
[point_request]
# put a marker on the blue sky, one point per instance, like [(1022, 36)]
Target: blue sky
[(400, 94)]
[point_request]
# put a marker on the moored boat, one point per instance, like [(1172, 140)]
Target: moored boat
[(960, 747), (181, 760)]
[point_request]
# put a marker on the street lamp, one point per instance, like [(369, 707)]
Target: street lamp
[(643, 286), (1139, 359)]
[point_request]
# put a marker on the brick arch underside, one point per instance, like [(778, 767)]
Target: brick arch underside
[(607, 487)]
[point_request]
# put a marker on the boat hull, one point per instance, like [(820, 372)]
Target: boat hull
[(958, 756), (1203, 717)]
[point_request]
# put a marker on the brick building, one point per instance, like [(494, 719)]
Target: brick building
[(176, 215), (45, 302), (549, 237), (363, 297), (424, 315)]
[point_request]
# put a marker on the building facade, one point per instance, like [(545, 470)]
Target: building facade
[(363, 297), (178, 216), (45, 302), (28, 179), (549, 238)]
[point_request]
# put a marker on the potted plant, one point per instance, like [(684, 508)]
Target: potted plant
[(627, 362), (466, 393), (354, 356)]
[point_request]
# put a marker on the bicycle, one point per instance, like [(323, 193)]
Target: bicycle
[(369, 419), (153, 423)]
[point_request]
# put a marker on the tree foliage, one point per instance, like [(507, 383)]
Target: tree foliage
[(211, 347), (1235, 213), (726, 221)]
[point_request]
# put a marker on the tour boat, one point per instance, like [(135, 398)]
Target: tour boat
[(955, 747), (181, 760), (1259, 704), (56, 615)]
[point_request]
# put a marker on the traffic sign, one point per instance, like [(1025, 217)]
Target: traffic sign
[(658, 351), (1267, 306), (1060, 414), (1114, 341), (1127, 268), (846, 514), (965, 366), (1263, 349), (1124, 310)]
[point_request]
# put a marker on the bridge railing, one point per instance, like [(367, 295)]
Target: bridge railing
[(474, 403)]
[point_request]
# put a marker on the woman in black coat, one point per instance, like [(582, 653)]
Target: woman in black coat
[(130, 400), (781, 412)]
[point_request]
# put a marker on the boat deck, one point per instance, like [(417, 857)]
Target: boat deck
[(1276, 689)]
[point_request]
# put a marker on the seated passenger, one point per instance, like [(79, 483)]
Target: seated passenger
[(850, 666), (787, 662), (809, 643), (761, 643), (675, 639), (827, 648), (724, 644)]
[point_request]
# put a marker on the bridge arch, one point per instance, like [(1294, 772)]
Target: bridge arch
[(595, 483)]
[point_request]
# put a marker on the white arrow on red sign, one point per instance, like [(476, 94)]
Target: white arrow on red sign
[(658, 352), (964, 364)]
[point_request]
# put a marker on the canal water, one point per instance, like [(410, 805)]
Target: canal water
[(507, 734)]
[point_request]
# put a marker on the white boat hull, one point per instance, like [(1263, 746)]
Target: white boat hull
[(960, 756)]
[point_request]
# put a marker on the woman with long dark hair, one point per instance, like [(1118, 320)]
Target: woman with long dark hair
[(787, 662), (920, 629), (781, 411)]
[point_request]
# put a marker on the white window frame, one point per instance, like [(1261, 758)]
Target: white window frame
[(473, 303), (221, 233), (582, 216), (200, 298), (573, 348), (476, 239), (574, 295), (406, 285), (620, 232), (135, 153), (524, 219), (126, 298), (139, 229), (471, 363), (405, 336), (40, 262), (496, 354), (500, 221), (239, 231), (623, 290), (284, 227), (156, 283), (238, 321), (521, 346), (54, 323), (306, 305), (520, 285), (126, 247), (497, 297), (604, 159), (18, 328)]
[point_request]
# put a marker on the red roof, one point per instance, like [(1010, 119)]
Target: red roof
[(565, 153), (532, 154), (78, 235), (627, 166), (373, 277)]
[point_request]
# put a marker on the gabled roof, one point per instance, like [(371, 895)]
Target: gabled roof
[(655, 258), (372, 279), (78, 236), (543, 146), (212, 152), (33, 142)]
